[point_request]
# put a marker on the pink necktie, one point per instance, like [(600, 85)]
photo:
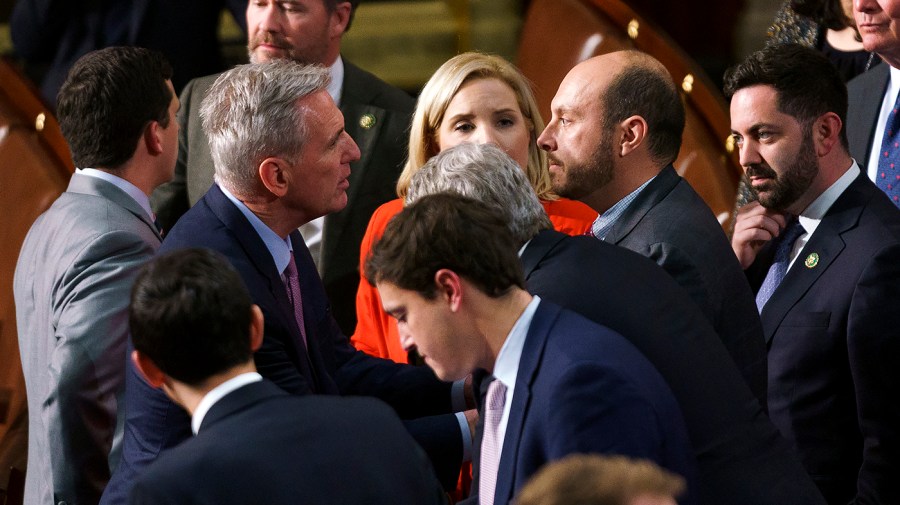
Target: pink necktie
[(490, 442), (293, 292)]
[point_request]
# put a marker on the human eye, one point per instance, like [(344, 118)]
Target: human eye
[(738, 140), (506, 122), (463, 127), (291, 7)]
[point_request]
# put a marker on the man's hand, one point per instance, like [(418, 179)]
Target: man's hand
[(753, 227)]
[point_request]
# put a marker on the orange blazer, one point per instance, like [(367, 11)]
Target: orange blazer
[(376, 331)]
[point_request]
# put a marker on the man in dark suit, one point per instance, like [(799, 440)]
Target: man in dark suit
[(78, 262), (194, 329), (873, 95), (834, 238), (741, 459), (616, 128), (446, 269), (376, 116), (282, 158)]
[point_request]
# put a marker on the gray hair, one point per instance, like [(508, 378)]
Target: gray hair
[(487, 174), (250, 114)]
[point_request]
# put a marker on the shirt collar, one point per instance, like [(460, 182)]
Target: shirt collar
[(813, 214), (130, 189), (279, 248), (337, 80), (605, 221), (219, 392), (506, 368)]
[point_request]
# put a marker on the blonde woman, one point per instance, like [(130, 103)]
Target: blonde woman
[(475, 98)]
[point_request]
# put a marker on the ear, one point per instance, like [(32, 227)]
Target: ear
[(148, 369), (449, 288), (275, 176), (256, 328), (826, 133), (340, 18), (153, 138), (634, 133)]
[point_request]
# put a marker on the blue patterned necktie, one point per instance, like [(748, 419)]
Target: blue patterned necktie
[(779, 266), (888, 176)]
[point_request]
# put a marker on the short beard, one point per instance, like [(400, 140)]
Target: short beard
[(788, 187), (583, 180)]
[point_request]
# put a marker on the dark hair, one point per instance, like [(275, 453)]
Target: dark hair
[(807, 84), (107, 100), (648, 91), (449, 231), (190, 314), (828, 13)]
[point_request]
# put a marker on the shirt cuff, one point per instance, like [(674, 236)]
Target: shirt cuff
[(466, 436)]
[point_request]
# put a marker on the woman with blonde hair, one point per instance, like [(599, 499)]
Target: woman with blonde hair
[(476, 98)]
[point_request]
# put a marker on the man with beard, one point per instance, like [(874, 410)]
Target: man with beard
[(615, 131), (820, 247), (376, 114)]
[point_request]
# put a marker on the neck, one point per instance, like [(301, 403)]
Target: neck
[(495, 317), (189, 396), (626, 178), (272, 212), (831, 169)]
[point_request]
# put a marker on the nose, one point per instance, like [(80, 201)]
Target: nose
[(352, 153), (748, 154), (268, 19), (546, 141), (406, 341), (486, 135), (867, 6)]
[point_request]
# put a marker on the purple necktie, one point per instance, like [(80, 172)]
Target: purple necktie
[(490, 442), (292, 286), (888, 176), (779, 266)]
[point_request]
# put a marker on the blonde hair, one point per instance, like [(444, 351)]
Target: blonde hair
[(439, 92)]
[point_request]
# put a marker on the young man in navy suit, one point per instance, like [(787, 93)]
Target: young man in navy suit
[(821, 247), (447, 270), (194, 329)]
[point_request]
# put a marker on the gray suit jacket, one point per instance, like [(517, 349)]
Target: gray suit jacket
[(670, 224), (864, 95), (71, 286), (376, 116)]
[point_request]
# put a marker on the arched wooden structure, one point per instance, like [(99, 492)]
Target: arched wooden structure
[(35, 167), (558, 34)]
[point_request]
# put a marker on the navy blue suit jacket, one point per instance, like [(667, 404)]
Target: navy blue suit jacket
[(260, 445), (670, 224), (331, 366), (834, 348), (582, 388), (741, 458)]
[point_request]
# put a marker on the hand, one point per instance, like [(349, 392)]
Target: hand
[(753, 227), (472, 419)]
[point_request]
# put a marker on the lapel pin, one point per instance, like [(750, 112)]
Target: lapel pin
[(367, 121), (812, 260)]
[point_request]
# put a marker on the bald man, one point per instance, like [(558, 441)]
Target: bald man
[(615, 131)]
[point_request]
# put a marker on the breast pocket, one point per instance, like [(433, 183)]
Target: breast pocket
[(807, 320)]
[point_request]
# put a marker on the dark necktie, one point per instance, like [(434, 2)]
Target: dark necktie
[(490, 442), (785, 243), (888, 176), (292, 284)]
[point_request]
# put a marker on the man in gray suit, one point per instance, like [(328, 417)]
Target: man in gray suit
[(376, 116), (117, 112), (615, 132)]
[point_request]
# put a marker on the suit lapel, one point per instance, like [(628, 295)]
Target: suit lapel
[(88, 185), (651, 195), (255, 250), (529, 364), (827, 243)]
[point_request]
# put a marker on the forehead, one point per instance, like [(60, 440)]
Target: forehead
[(320, 110), (755, 105), (495, 92), (582, 87)]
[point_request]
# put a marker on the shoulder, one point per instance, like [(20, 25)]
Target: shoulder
[(868, 81), (364, 88)]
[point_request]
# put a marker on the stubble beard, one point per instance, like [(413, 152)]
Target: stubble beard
[(785, 189)]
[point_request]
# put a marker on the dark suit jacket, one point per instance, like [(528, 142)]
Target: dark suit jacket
[(741, 459), (582, 388), (331, 365), (864, 95), (670, 224), (834, 346), (260, 445), (52, 34), (372, 179)]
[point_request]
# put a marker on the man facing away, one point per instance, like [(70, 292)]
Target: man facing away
[(820, 247), (741, 459), (447, 270), (616, 129), (116, 110), (377, 119), (283, 158), (194, 329)]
